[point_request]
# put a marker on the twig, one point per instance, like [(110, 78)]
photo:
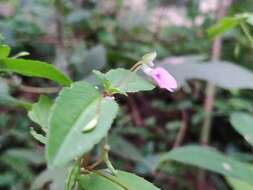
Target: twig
[(31, 89), (135, 113), (183, 129), (39, 90)]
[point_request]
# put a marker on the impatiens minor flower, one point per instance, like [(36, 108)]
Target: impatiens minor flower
[(160, 75), (164, 79)]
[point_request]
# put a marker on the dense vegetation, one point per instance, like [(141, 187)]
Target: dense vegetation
[(98, 95)]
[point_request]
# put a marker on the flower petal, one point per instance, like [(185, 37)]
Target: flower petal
[(164, 79)]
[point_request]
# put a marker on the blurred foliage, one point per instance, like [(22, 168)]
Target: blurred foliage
[(79, 36)]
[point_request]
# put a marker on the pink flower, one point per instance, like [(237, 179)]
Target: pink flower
[(164, 79), (160, 75)]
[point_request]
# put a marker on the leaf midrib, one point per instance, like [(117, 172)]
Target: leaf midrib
[(73, 126)]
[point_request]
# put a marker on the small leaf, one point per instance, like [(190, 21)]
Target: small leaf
[(224, 25), (40, 112), (242, 123), (106, 83), (42, 139), (4, 51), (210, 159), (103, 180), (73, 109), (34, 69), (126, 81), (149, 57)]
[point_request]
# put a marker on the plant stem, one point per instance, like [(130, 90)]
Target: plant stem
[(210, 98), (183, 129)]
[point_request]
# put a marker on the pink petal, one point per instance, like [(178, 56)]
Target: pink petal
[(164, 79)]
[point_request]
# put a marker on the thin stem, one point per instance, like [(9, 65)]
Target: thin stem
[(39, 90), (209, 102), (136, 66), (210, 98), (32, 89), (104, 157), (183, 129), (109, 164)]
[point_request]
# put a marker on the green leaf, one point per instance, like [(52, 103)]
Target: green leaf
[(106, 83), (33, 68), (126, 81), (73, 110), (224, 25), (40, 112), (238, 184), (249, 19), (242, 123), (4, 51), (220, 73), (72, 176), (103, 180), (39, 137), (8, 100), (32, 156), (212, 160)]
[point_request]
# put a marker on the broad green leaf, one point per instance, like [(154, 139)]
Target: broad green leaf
[(220, 73), (4, 51), (72, 176), (238, 184), (126, 81), (243, 124), (212, 160), (103, 180), (74, 108), (40, 112), (224, 25), (34, 69)]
